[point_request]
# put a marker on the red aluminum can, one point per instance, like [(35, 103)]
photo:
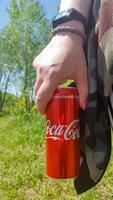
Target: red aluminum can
[(62, 134)]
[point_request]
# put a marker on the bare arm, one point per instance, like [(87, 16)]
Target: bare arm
[(81, 5), (63, 59)]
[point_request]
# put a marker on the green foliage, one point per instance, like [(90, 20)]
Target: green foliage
[(22, 129), (27, 22), (22, 161), (26, 34), (22, 164)]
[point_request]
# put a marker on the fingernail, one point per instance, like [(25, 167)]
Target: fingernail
[(85, 104)]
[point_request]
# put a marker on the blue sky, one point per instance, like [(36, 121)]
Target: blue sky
[(50, 7)]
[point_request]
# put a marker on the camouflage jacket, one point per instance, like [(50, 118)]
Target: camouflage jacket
[(95, 122)]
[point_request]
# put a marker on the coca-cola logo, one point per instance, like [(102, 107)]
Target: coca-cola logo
[(69, 132)]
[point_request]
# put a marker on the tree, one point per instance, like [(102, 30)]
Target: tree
[(5, 71), (24, 37)]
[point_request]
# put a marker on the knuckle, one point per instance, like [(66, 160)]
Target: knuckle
[(40, 100), (40, 68), (35, 63), (52, 73), (39, 104)]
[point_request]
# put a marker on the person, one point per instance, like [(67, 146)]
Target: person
[(62, 59), (84, 54)]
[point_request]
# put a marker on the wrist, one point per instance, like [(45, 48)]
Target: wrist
[(73, 29), (72, 36), (74, 24)]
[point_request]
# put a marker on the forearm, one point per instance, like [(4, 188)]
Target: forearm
[(81, 5)]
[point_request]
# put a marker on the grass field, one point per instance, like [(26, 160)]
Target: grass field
[(22, 165)]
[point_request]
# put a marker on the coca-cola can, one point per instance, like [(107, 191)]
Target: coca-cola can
[(63, 134)]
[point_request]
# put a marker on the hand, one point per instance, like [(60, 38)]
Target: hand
[(62, 59)]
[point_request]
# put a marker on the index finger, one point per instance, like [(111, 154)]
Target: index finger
[(45, 93)]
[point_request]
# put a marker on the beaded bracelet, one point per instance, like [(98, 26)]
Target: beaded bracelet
[(68, 29)]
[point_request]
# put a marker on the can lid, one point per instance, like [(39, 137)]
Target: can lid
[(66, 83), (66, 92)]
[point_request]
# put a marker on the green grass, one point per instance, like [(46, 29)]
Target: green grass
[(22, 165)]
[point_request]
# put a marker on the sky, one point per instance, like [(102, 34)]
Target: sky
[(50, 8)]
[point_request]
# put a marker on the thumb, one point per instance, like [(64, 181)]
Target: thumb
[(82, 84)]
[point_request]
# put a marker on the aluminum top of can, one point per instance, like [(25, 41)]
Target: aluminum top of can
[(66, 91)]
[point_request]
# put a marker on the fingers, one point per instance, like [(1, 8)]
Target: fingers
[(51, 75), (83, 94), (46, 90), (37, 84), (82, 84)]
